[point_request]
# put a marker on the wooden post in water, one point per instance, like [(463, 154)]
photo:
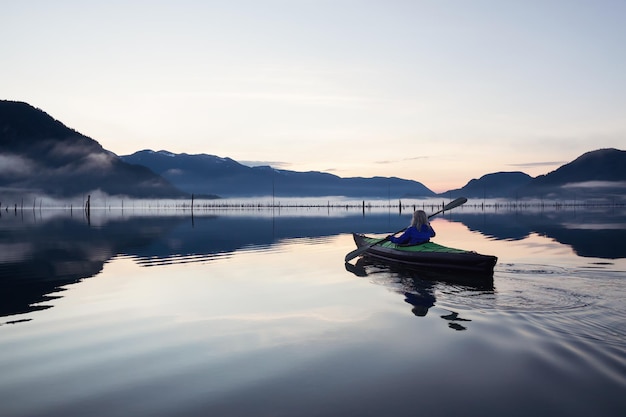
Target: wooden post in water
[(193, 223), (88, 207)]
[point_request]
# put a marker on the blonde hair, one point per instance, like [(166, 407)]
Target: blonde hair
[(419, 219)]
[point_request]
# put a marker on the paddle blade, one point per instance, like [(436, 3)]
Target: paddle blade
[(458, 202), (455, 203), (350, 256)]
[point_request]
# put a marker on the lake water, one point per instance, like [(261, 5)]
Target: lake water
[(252, 312)]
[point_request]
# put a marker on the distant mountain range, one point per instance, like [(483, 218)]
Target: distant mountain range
[(209, 174), (600, 173), (41, 156)]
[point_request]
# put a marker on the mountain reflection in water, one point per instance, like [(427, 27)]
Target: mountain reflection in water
[(42, 254), (598, 233)]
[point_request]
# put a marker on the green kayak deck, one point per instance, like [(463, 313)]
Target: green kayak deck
[(423, 247)]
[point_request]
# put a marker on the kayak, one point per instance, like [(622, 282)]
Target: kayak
[(428, 255)]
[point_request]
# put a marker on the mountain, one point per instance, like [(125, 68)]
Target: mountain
[(597, 174), (209, 174), (41, 156), (495, 185), (600, 173)]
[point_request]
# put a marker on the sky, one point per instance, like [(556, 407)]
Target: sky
[(437, 91)]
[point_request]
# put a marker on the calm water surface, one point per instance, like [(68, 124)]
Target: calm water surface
[(234, 313)]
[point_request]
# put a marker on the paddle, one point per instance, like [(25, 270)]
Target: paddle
[(453, 204)]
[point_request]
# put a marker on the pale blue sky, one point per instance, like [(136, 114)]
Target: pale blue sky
[(436, 91)]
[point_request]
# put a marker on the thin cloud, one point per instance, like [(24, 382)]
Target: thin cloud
[(394, 161), (316, 99), (15, 165), (273, 164), (538, 164), (596, 184)]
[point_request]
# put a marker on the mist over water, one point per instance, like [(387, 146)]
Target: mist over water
[(245, 310)]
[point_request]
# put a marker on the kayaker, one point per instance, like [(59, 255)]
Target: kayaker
[(420, 231)]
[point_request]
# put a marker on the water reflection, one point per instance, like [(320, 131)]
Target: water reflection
[(40, 253), (596, 233), (38, 259), (454, 320), (418, 286)]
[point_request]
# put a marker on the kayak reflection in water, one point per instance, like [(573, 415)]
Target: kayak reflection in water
[(419, 231), (418, 291)]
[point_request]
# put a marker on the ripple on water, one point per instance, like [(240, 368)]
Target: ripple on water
[(541, 288), (584, 302)]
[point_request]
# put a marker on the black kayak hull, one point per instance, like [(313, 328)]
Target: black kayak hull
[(428, 256)]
